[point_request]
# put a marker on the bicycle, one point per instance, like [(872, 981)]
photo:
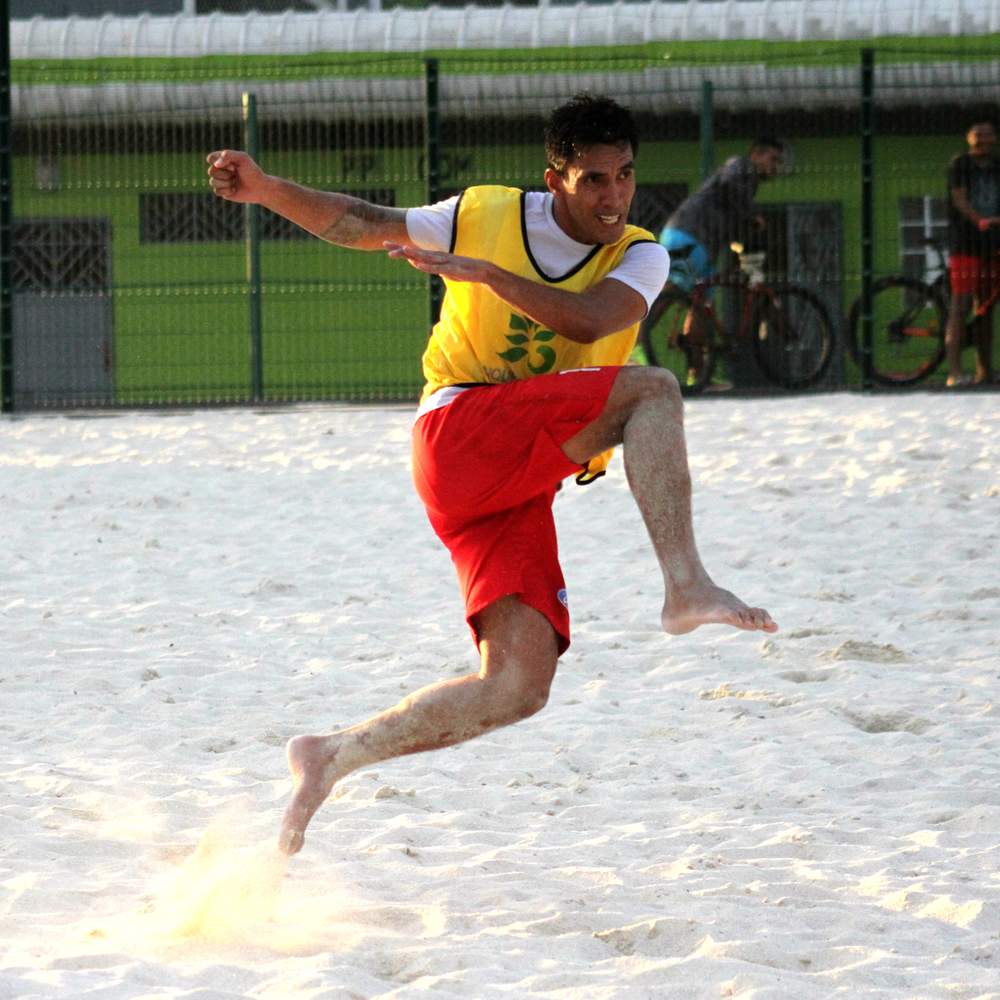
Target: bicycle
[(787, 325), (909, 321)]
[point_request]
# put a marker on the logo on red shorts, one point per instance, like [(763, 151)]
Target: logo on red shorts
[(562, 597)]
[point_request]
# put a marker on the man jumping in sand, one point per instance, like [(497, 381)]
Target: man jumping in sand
[(527, 383)]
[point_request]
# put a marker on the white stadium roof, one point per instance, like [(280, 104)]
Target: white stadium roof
[(404, 30)]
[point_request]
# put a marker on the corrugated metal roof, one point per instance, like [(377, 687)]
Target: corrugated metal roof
[(739, 84), (406, 30)]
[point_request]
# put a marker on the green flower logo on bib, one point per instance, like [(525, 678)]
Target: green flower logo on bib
[(529, 338)]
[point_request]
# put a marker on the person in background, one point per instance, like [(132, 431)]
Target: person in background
[(717, 214), (974, 252)]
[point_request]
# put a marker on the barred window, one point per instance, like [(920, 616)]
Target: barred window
[(923, 236), (181, 217), (60, 255)]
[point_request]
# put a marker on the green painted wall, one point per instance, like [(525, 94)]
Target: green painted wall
[(350, 324)]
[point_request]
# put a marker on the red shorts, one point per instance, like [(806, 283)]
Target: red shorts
[(487, 467), (971, 275)]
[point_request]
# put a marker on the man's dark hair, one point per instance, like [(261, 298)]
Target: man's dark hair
[(765, 142), (583, 122)]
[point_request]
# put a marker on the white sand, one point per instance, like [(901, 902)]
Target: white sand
[(808, 815)]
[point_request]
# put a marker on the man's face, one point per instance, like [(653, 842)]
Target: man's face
[(593, 193), (981, 139), (767, 162)]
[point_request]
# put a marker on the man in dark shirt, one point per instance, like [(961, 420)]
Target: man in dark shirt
[(708, 221), (974, 244), (717, 213)]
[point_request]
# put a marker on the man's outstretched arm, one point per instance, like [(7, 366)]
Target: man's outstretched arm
[(336, 218), (585, 317)]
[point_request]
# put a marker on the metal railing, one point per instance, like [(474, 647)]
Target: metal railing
[(126, 284)]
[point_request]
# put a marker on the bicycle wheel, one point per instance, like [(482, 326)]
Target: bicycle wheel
[(908, 326), (792, 336), (667, 345)]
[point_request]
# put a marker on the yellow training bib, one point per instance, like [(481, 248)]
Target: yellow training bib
[(481, 339)]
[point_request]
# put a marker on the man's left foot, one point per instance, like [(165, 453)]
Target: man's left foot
[(708, 604)]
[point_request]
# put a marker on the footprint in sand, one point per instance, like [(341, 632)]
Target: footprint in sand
[(666, 936), (887, 722), (725, 691), (271, 588), (835, 596), (870, 652), (808, 676), (985, 594)]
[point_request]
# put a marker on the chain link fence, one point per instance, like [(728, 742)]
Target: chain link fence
[(131, 285)]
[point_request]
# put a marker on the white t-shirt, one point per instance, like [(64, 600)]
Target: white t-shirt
[(644, 267)]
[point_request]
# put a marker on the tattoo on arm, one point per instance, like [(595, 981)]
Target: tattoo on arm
[(361, 219)]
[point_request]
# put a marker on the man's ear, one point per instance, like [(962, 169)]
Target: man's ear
[(553, 180)]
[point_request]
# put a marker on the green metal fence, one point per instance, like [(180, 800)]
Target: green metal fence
[(130, 285)]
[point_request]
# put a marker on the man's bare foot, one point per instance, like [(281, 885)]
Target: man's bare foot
[(708, 604), (310, 760)]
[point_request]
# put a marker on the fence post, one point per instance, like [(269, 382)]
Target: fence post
[(707, 132), (6, 221), (252, 236), (432, 162), (867, 212)]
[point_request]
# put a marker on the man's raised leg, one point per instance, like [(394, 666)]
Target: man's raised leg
[(519, 650), (645, 414)]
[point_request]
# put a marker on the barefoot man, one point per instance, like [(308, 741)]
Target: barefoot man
[(527, 384)]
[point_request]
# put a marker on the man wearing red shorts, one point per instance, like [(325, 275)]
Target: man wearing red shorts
[(527, 384), (974, 245)]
